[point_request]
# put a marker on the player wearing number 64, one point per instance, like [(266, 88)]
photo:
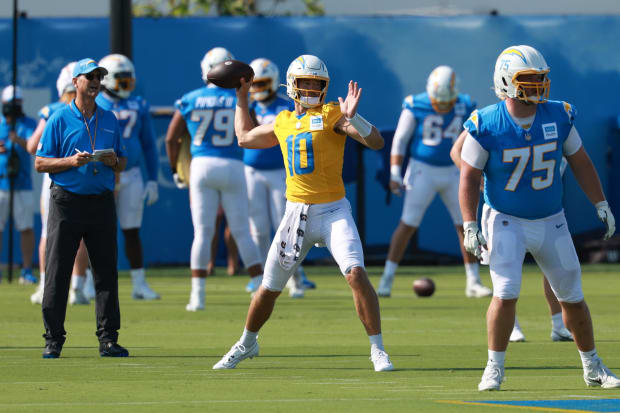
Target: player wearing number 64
[(312, 139)]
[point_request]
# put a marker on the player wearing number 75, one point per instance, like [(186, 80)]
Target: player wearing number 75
[(434, 119), (518, 144), (216, 175), (312, 139)]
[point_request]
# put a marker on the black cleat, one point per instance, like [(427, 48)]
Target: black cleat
[(111, 349), (52, 351)]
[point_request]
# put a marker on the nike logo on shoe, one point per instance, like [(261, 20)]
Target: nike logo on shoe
[(559, 226)]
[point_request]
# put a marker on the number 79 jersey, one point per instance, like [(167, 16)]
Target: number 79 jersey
[(436, 132), (209, 113), (313, 154), (522, 173)]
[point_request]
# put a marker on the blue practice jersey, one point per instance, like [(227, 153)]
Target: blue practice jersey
[(522, 174), (48, 110), (270, 158), (435, 132), (24, 128), (136, 128), (209, 113)]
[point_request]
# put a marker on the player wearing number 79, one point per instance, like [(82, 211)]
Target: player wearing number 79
[(434, 119), (312, 139), (518, 145), (216, 175)]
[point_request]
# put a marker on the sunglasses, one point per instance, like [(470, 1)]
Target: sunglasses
[(93, 74)]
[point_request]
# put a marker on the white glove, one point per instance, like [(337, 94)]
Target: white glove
[(473, 240), (605, 215), (151, 193), (178, 182), (395, 176)]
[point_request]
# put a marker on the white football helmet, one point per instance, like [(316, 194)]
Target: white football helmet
[(213, 57), (64, 83), (442, 88), (266, 79), (521, 60), (306, 67), (121, 77)]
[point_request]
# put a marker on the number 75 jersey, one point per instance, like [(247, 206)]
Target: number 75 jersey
[(522, 171), (436, 132), (313, 154), (209, 113)]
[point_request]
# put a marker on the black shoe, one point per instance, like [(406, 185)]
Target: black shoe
[(111, 349), (52, 351)]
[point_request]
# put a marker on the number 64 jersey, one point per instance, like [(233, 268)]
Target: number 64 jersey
[(521, 166), (313, 154)]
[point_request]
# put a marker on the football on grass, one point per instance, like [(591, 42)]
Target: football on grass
[(423, 287), (228, 74)]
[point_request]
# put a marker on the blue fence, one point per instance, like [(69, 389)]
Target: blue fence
[(390, 57)]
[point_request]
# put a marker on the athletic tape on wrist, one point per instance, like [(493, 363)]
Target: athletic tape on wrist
[(395, 171), (361, 125)]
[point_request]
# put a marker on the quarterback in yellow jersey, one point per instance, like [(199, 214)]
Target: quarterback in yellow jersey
[(312, 141)]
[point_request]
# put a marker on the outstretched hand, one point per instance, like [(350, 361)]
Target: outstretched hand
[(348, 106)]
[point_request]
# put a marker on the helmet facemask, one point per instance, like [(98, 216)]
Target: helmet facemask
[(262, 89), (122, 84), (540, 89), (309, 98)]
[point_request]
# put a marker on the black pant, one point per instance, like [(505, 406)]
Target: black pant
[(71, 218)]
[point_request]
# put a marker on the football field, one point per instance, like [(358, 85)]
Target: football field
[(314, 351)]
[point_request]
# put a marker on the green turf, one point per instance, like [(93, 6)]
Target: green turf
[(314, 352)]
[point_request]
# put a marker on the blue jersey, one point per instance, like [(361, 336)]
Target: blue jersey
[(24, 128), (522, 174), (270, 158), (136, 128), (209, 113), (48, 110), (65, 132), (436, 132)]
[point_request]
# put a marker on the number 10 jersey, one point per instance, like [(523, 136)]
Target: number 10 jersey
[(313, 154)]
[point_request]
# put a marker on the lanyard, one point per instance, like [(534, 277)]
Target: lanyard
[(92, 139)]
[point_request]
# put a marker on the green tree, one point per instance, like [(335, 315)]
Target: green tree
[(182, 8)]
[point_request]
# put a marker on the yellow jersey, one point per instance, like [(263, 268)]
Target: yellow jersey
[(313, 154)]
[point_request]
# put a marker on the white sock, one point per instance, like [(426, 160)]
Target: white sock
[(472, 272), (376, 341), (556, 321), (390, 269), (517, 323), (248, 338), (198, 284), (588, 357), (137, 276), (497, 357), (77, 281)]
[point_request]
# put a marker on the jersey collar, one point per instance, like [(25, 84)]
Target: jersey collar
[(77, 112)]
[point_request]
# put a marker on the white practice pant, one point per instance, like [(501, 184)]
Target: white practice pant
[(549, 242), (23, 210), (267, 196), (330, 224), (130, 200), (422, 182), (214, 180)]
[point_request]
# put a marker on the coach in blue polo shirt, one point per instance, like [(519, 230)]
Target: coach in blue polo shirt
[(81, 148)]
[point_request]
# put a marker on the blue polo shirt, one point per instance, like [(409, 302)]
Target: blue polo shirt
[(65, 132)]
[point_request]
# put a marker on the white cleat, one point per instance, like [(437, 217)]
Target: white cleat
[(492, 377), (385, 286), (253, 284), (37, 296), (517, 335), (196, 301), (381, 360), (77, 297), (477, 290), (597, 374), (144, 292), (294, 291), (237, 353), (561, 334)]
